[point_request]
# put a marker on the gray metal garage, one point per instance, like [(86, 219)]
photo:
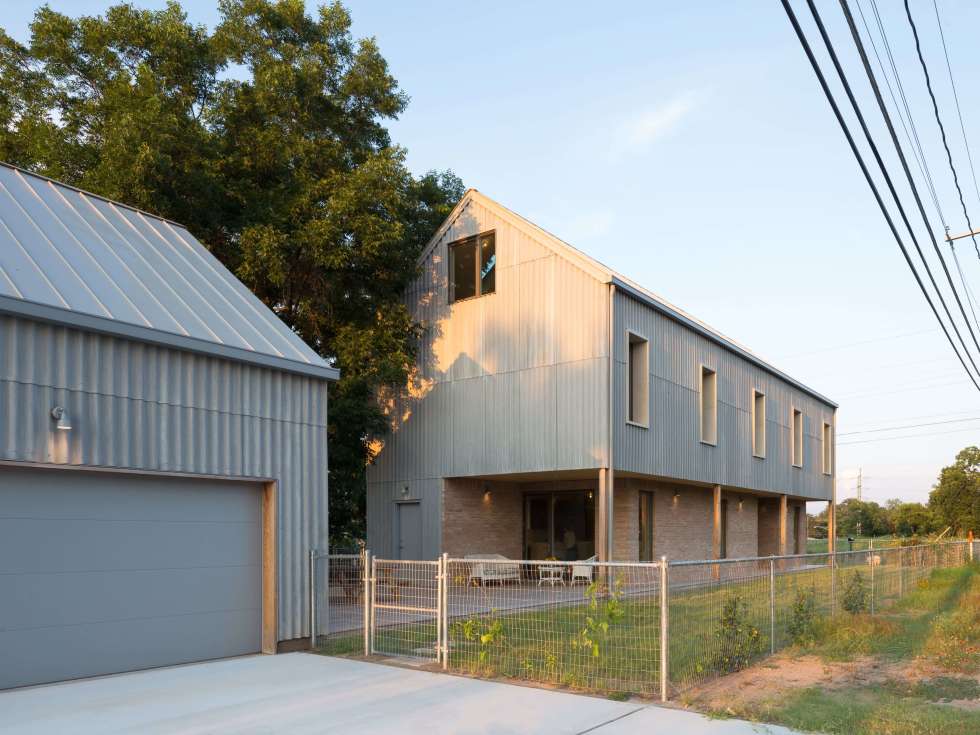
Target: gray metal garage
[(163, 458)]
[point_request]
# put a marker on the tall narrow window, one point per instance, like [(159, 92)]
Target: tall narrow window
[(827, 440), (709, 406), (797, 438), (646, 526), (472, 265), (639, 381), (758, 424)]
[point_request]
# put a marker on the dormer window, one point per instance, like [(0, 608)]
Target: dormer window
[(472, 265)]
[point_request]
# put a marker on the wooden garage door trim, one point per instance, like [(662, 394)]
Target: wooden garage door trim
[(270, 549)]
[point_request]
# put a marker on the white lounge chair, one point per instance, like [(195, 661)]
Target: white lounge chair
[(493, 570), (583, 570)]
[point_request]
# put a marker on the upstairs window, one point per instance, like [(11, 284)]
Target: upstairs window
[(638, 378), (758, 424), (828, 449), (709, 406), (797, 438), (472, 265)]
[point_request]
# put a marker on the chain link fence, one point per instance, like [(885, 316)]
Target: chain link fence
[(654, 629)]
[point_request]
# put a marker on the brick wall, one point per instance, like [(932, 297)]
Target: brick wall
[(475, 524), (743, 525), (682, 529)]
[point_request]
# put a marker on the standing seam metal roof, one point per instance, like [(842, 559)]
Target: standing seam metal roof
[(75, 258)]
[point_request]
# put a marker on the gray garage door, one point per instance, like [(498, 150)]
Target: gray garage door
[(101, 573)]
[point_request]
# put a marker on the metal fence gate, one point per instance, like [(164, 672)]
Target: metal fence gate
[(406, 608)]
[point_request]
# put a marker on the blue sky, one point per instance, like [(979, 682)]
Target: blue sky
[(689, 146)]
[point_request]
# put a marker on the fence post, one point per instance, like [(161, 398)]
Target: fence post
[(444, 610), (871, 558), (313, 599), (772, 605), (664, 625), (901, 572), (833, 583), (367, 602)]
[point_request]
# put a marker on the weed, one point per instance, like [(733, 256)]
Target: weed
[(739, 641), (855, 597), (803, 622)]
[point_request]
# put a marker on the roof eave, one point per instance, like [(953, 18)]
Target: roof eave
[(694, 326), (115, 328)]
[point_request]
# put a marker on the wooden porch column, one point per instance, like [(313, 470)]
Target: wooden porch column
[(604, 516), (716, 526), (831, 527), (783, 507)]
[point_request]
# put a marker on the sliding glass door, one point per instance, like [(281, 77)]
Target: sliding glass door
[(560, 525)]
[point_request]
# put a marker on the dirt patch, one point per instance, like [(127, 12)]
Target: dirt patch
[(772, 680), (784, 673)]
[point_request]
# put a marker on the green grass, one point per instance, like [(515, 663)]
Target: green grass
[(914, 627), (861, 543), (874, 710), (619, 650)]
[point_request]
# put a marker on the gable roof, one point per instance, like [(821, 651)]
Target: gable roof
[(77, 259), (607, 275)]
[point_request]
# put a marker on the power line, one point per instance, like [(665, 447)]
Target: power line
[(920, 156), (891, 187), (848, 345), (956, 99), (939, 121), (909, 426), (908, 436), (921, 417), (859, 44)]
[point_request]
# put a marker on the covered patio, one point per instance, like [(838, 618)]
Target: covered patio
[(560, 517)]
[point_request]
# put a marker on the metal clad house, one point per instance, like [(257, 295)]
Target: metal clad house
[(560, 410), (163, 446)]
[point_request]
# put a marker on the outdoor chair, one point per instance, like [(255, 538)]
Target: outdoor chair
[(583, 570), (493, 570)]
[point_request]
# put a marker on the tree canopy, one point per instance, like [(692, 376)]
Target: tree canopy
[(956, 497), (267, 138)]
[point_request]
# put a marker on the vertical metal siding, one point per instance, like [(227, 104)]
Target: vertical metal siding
[(671, 447), (142, 407), (509, 382)]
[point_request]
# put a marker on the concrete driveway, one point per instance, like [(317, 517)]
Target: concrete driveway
[(305, 693)]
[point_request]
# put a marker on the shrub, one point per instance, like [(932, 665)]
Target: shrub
[(803, 623), (601, 615), (855, 597), (739, 642), (485, 631)]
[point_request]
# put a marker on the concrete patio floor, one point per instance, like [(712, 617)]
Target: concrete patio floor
[(306, 693)]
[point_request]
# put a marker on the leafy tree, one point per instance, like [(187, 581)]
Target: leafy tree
[(912, 519), (267, 138), (955, 500), (868, 516)]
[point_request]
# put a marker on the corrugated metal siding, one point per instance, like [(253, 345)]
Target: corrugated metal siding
[(509, 382), (382, 499), (142, 407), (671, 447), (67, 249)]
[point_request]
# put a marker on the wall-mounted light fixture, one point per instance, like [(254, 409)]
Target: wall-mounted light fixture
[(486, 493), (677, 497), (740, 502), (404, 491), (61, 418)]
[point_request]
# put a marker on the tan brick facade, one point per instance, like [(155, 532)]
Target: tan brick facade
[(475, 522)]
